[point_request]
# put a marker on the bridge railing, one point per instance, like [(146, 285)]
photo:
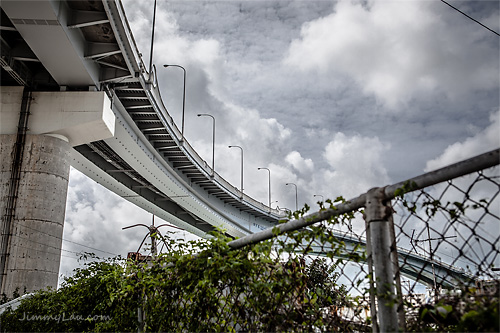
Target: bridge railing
[(419, 255), (150, 82)]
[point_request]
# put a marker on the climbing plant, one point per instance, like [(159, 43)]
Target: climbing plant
[(201, 285), (307, 280)]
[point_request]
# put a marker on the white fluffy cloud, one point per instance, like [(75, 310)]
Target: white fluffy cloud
[(398, 49), (356, 164), (303, 165), (482, 142)]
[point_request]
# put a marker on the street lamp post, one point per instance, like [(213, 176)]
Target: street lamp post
[(241, 167), (319, 195), (183, 98), (296, 207), (152, 44), (213, 139), (269, 183)]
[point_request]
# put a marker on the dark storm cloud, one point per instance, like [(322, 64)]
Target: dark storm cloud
[(336, 97)]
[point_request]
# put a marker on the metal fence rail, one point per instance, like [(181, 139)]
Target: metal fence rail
[(422, 254)]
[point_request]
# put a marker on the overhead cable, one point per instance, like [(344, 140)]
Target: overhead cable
[(458, 10)]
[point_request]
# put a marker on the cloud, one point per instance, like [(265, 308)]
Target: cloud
[(482, 142), (302, 165), (282, 77), (356, 164), (397, 50)]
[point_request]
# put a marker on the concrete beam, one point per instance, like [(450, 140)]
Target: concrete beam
[(81, 117), (63, 53)]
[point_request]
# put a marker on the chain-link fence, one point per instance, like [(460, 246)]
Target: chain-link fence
[(420, 255), (427, 260), (449, 238)]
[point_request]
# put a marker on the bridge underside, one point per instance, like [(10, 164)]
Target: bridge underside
[(82, 53), (78, 51)]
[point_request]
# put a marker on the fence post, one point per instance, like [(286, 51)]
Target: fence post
[(369, 261), (377, 215), (397, 273)]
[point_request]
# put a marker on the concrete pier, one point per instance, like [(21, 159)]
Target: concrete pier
[(34, 253), (34, 183)]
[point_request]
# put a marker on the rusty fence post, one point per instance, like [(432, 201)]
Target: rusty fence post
[(377, 216)]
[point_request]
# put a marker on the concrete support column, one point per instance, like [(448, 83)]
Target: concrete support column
[(33, 198), (34, 248)]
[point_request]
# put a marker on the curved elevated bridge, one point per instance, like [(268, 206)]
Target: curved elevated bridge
[(81, 46), (412, 265), (69, 49)]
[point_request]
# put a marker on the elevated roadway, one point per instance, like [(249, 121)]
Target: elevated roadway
[(71, 46), (80, 49), (412, 265)]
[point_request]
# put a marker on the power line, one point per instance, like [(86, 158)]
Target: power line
[(89, 247), (46, 245), (62, 255), (48, 252), (66, 240), (458, 10)]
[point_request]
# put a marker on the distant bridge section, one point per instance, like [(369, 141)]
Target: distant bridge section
[(412, 265)]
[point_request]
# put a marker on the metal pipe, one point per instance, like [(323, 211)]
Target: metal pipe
[(478, 163), (303, 222), (377, 215), (241, 167), (269, 183), (371, 276), (152, 43)]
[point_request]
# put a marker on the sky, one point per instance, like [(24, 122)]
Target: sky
[(336, 97)]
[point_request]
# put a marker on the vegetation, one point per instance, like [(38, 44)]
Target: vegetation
[(196, 286), (289, 283)]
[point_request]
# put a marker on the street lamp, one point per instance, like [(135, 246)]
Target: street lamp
[(213, 140), (241, 167), (296, 207), (319, 195), (269, 183), (183, 98)]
